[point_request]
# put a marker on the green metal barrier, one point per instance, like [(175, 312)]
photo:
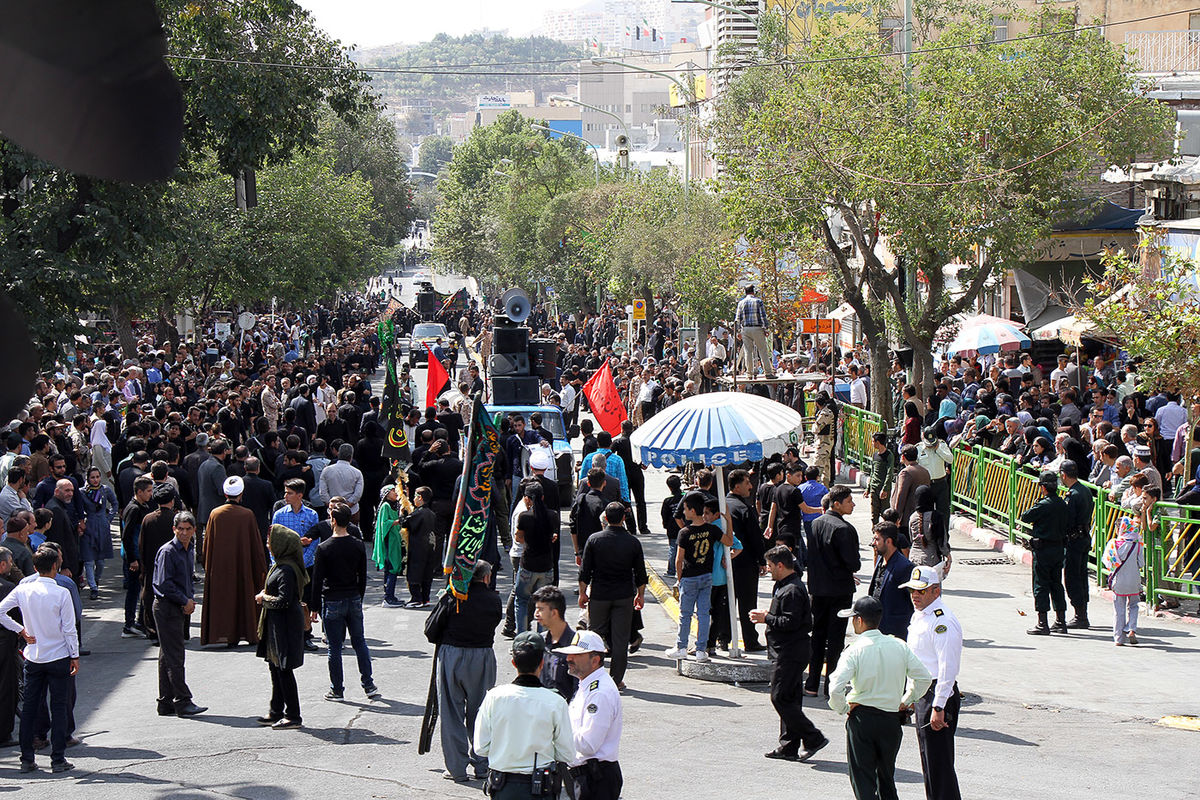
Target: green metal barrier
[(992, 488), (858, 426)]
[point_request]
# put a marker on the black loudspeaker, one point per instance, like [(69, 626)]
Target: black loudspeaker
[(516, 391), (543, 358), (427, 303), (509, 341), (508, 364), (904, 355)]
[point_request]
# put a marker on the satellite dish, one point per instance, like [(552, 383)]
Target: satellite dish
[(246, 320), (516, 305)]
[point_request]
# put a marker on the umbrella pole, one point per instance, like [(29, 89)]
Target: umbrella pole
[(735, 651)]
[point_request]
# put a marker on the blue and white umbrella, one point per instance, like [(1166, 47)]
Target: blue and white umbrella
[(991, 337), (718, 429)]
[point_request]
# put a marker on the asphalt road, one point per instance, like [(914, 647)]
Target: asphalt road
[(1063, 717)]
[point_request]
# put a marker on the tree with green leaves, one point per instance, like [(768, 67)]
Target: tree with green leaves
[(960, 161), (1156, 316), (434, 153)]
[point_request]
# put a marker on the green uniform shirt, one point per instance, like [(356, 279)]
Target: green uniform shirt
[(1048, 518), (874, 671)]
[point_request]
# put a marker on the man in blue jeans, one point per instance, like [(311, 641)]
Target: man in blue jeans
[(51, 654), (696, 547), (338, 584)]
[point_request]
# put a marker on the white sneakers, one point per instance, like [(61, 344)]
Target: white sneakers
[(678, 654), (702, 656)]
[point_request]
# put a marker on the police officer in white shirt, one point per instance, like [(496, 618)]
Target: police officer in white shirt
[(935, 635), (523, 729), (935, 455), (595, 720)]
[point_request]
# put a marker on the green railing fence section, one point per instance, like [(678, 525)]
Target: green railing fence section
[(995, 491)]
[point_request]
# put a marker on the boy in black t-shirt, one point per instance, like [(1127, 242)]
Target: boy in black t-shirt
[(693, 564)]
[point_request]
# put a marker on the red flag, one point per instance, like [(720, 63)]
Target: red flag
[(605, 401), (436, 379)]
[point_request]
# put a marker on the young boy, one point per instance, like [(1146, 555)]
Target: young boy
[(669, 506), (718, 629), (694, 558)]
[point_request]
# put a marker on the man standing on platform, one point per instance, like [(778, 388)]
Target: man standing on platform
[(752, 319)]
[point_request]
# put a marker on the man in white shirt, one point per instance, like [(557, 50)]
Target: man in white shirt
[(595, 713), (522, 725), (936, 636), (51, 655), (714, 348), (858, 388)]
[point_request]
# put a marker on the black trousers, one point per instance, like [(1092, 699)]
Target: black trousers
[(637, 488), (937, 747), (718, 616), (613, 620), (285, 697), (828, 637), (1048, 581), (941, 496), (787, 696), (1075, 572), (872, 742), (170, 621), (9, 679), (598, 780), (745, 589)]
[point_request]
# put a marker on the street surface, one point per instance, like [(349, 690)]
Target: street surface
[(1062, 717)]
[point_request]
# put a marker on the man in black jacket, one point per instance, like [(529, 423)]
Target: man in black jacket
[(612, 582), (466, 669), (832, 562), (789, 620), (748, 563), (586, 511), (633, 473)]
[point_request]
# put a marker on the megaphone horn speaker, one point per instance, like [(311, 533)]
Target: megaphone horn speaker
[(516, 305)]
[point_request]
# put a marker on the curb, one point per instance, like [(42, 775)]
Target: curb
[(988, 537)]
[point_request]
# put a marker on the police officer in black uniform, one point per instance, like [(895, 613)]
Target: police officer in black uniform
[(1048, 518), (1079, 542)]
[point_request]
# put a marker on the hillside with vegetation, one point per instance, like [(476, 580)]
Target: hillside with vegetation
[(450, 71)]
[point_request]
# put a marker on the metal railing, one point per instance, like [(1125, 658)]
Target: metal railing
[(1164, 51), (995, 490)]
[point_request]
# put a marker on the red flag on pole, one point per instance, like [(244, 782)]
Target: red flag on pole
[(605, 401), (436, 379)]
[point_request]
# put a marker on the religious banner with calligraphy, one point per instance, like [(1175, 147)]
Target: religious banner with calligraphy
[(605, 400), (473, 511)]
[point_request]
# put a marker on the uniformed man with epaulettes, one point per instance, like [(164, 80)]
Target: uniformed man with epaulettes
[(1079, 542), (936, 636), (595, 713), (824, 427), (1048, 518)]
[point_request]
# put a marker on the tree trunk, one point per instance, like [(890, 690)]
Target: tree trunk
[(123, 325), (648, 296), (922, 369), (881, 387)]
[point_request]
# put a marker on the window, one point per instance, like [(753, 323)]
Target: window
[(628, 108), (999, 28), (891, 30)]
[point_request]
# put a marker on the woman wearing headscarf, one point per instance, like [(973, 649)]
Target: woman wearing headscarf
[(100, 505), (281, 626), (928, 533)]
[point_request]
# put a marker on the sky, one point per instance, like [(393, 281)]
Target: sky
[(371, 23)]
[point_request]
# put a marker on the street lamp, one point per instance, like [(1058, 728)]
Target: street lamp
[(562, 98), (595, 150), (687, 95)]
